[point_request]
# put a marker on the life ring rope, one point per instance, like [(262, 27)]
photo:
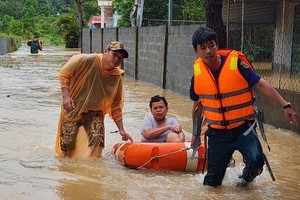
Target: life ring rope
[(163, 155)]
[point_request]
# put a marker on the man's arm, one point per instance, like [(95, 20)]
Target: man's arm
[(181, 137), (264, 87), (67, 102), (125, 136), (197, 120), (40, 45), (151, 133)]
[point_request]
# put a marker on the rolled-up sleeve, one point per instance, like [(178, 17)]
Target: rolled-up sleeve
[(118, 103)]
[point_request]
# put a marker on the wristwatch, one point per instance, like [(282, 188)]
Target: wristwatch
[(288, 105)]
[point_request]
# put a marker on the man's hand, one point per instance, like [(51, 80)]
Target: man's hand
[(126, 136), (292, 116), (68, 103), (176, 129)]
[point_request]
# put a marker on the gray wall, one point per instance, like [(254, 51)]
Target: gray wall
[(109, 35), (151, 52), (129, 37), (97, 39), (4, 46), (86, 41), (273, 113), (163, 56), (180, 56)]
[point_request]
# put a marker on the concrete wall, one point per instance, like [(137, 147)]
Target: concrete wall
[(180, 56), (129, 38), (273, 113), (163, 56), (9, 44), (86, 41), (4, 46), (151, 55), (97, 41), (109, 35)]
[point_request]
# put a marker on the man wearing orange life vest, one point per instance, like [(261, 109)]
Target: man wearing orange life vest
[(222, 89)]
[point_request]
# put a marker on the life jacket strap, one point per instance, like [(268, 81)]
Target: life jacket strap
[(224, 95), (228, 122), (229, 108), (250, 129)]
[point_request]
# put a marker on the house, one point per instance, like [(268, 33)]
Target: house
[(106, 13), (95, 22)]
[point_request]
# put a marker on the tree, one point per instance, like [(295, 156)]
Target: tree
[(193, 10), (156, 11), (124, 9), (82, 7), (80, 12), (80, 18), (69, 30), (25, 18), (214, 20), (91, 8), (44, 8), (16, 27)]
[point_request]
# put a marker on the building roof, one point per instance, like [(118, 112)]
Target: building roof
[(95, 20)]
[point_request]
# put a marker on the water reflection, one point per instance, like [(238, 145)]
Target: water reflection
[(29, 108)]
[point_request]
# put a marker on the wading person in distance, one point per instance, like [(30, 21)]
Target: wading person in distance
[(92, 86), (222, 88), (35, 44)]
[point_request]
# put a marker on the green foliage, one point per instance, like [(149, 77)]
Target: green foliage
[(156, 11), (15, 27), (69, 29), (123, 8), (91, 8), (44, 8), (4, 22), (16, 43), (25, 18), (193, 10), (258, 42), (10, 7), (60, 7)]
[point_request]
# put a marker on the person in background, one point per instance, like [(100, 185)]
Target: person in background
[(35, 44), (92, 86), (157, 127), (222, 88)]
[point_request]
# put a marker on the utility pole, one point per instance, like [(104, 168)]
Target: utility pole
[(170, 13), (139, 17)]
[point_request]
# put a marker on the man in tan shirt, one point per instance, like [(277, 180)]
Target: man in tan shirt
[(92, 86)]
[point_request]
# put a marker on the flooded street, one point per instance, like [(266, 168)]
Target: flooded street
[(30, 99)]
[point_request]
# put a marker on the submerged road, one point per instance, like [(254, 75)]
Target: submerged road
[(30, 104)]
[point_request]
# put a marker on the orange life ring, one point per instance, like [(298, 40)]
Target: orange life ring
[(166, 156)]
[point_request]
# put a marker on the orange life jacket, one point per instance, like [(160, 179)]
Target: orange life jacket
[(228, 102)]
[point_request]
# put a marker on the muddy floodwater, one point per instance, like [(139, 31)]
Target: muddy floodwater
[(30, 101)]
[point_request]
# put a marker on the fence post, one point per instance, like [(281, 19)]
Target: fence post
[(164, 70), (136, 53)]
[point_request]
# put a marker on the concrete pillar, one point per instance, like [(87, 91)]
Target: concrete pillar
[(103, 5)]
